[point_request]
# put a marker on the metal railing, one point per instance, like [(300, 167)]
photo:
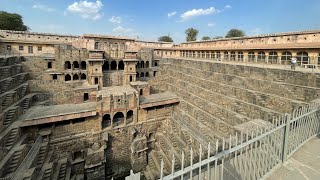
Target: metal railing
[(254, 154)]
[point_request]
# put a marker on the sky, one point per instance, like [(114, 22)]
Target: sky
[(150, 19)]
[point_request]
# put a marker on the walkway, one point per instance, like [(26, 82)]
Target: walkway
[(261, 65), (303, 164)]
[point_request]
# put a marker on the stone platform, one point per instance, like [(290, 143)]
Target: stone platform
[(304, 164)]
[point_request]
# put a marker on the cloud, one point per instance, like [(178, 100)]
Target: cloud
[(198, 12), (211, 24), (227, 7), (86, 9), (122, 30), (172, 14), (115, 19), (43, 8)]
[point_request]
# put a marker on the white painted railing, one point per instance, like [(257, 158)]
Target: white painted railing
[(254, 154)]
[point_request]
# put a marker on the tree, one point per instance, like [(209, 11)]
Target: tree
[(165, 39), (204, 38), (235, 33), (191, 34), (217, 37), (12, 21)]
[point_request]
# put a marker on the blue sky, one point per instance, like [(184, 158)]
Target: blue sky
[(149, 19)]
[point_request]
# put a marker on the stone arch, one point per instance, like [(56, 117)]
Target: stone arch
[(75, 77), (118, 119), (286, 57), (142, 64), (226, 55), (113, 65), (302, 58), (233, 56), (273, 57), (67, 65), (147, 64), (240, 56), (138, 65), (142, 74), (137, 75), (67, 77), (129, 116), (105, 66), (83, 65), (83, 76), (106, 121), (147, 74), (75, 64), (251, 56), (121, 65)]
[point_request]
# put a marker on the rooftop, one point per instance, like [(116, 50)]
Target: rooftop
[(40, 112)]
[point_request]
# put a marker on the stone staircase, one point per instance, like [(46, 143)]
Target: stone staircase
[(14, 162), (9, 117), (12, 138)]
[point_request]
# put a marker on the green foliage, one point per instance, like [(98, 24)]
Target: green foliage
[(165, 39), (12, 21), (235, 33), (191, 34), (205, 38), (217, 37)]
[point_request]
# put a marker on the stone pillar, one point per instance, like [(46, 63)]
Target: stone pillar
[(267, 57), (245, 56)]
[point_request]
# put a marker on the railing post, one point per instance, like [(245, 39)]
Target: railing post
[(285, 138)]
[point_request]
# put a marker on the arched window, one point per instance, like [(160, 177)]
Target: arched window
[(105, 66), (142, 74), (76, 64), (226, 55), (83, 65), (286, 57), (273, 57), (118, 119), (138, 65), (54, 77), (129, 116), (83, 76), (75, 77), (240, 56), (142, 64), (147, 64), (261, 56), (137, 76), (96, 45), (121, 65), (147, 74), (67, 65), (302, 58), (155, 63), (218, 55), (251, 57), (106, 121), (49, 65), (113, 65), (131, 79), (233, 56), (67, 77)]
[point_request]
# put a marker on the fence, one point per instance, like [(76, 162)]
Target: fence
[(254, 154)]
